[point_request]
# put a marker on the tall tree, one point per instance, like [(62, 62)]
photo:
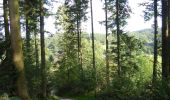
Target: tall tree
[(118, 36), (16, 43), (28, 33), (120, 11), (78, 23), (6, 24), (107, 51), (78, 31), (165, 53), (155, 41), (169, 32), (93, 46), (36, 51), (43, 61)]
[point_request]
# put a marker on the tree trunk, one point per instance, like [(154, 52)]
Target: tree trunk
[(36, 52), (6, 24), (78, 20), (93, 47), (16, 43), (27, 13), (155, 42), (43, 61), (81, 62), (169, 32), (118, 37), (165, 54), (107, 52)]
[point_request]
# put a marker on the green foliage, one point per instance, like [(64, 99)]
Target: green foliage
[(65, 77), (85, 98), (149, 9), (53, 98), (72, 84), (6, 97), (147, 36), (124, 13)]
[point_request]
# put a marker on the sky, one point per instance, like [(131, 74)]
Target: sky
[(135, 22)]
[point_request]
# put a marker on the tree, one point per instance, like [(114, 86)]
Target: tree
[(155, 41), (120, 11), (43, 61), (151, 10), (118, 36), (80, 11), (165, 40), (6, 24), (6, 65), (28, 30), (16, 44), (68, 48), (169, 31), (93, 48), (107, 52)]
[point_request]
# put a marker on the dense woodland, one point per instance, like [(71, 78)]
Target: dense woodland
[(71, 63)]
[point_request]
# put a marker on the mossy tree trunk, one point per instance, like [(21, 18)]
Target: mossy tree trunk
[(16, 43)]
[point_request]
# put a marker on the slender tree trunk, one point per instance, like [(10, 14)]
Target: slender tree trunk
[(107, 52), (78, 4), (118, 37), (36, 52), (43, 61), (6, 24), (93, 46), (27, 13), (169, 32), (81, 62), (165, 58), (16, 43), (155, 42), (78, 38)]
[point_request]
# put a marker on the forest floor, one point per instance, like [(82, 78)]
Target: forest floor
[(78, 98), (64, 98)]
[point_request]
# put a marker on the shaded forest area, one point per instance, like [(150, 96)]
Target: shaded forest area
[(72, 63)]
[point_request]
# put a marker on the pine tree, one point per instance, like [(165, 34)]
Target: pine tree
[(93, 46), (155, 41), (43, 60), (107, 52)]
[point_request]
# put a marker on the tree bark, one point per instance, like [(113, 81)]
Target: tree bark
[(165, 53), (107, 52), (78, 20), (43, 61), (155, 42), (36, 52), (118, 37), (27, 13), (6, 24), (16, 43), (169, 32), (93, 46)]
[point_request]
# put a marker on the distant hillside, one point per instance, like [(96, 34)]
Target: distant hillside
[(146, 34)]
